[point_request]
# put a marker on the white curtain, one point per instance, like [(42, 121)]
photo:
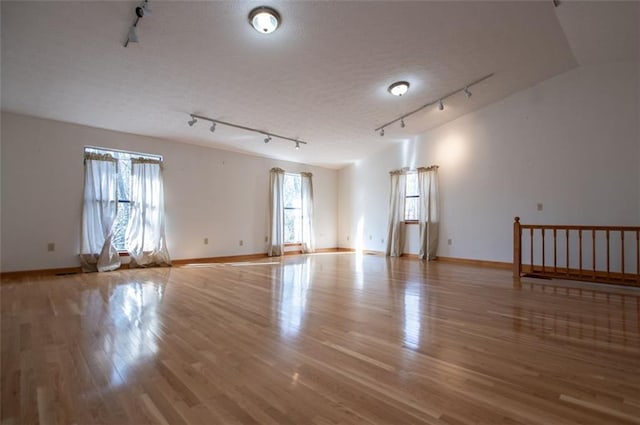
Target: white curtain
[(276, 212), (308, 242), (429, 216), (145, 237), (395, 236), (97, 251)]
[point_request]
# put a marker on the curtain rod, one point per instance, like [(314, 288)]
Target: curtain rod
[(148, 155)]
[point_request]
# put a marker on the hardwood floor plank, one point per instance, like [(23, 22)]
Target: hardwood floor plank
[(320, 339)]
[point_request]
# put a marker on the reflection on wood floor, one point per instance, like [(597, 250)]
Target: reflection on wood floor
[(323, 339)]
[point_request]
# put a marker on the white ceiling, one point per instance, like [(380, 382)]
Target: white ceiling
[(601, 31), (321, 77)]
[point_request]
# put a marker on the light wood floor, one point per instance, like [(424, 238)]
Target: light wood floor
[(325, 339)]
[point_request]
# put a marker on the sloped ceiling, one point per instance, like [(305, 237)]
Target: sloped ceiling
[(321, 77), (601, 31)]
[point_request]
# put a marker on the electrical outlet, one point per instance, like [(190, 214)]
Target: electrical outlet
[(540, 206), (347, 238), (266, 238), (241, 242), (206, 241), (449, 242), (51, 247), (381, 240)]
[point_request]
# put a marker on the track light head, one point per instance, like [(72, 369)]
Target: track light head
[(297, 146), (192, 122), (381, 132), (267, 139), (467, 92), (402, 122), (213, 127), (440, 105), (146, 9)]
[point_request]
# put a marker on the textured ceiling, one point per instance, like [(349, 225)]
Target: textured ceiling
[(321, 77)]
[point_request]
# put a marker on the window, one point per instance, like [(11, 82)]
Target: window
[(123, 190), (412, 198), (292, 208)]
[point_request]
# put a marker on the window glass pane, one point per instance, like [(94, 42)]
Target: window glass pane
[(124, 211), (411, 209), (292, 225), (412, 184), (292, 204), (124, 179), (292, 192)]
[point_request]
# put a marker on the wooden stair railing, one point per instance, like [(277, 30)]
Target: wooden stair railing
[(628, 272)]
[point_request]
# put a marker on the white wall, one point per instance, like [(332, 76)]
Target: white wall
[(570, 143), (208, 193)]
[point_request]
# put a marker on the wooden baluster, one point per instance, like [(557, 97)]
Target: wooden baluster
[(622, 252), (531, 242), (566, 235), (580, 242), (593, 254), (597, 275), (517, 248), (607, 234), (542, 250), (555, 268)]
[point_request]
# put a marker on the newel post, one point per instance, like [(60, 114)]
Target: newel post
[(517, 248)]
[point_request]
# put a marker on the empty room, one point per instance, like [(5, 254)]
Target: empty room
[(320, 212)]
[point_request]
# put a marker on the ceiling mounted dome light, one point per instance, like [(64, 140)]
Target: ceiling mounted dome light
[(264, 19), (399, 88)]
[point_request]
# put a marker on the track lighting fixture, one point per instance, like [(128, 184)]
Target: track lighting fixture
[(267, 139), (140, 12), (439, 102)]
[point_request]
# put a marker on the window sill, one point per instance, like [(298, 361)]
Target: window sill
[(293, 244), (123, 253), (411, 222)]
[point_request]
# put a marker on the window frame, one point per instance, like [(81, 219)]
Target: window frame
[(117, 153)]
